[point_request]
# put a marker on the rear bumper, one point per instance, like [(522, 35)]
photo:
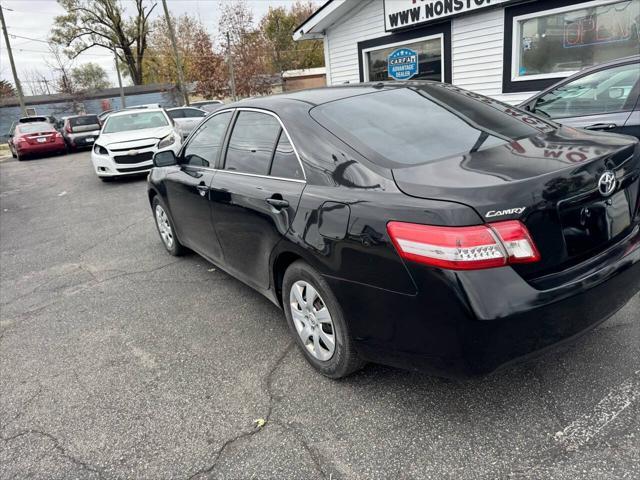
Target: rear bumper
[(79, 140), (42, 148), (471, 323)]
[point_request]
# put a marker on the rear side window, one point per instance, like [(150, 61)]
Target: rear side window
[(86, 120), (193, 113), (175, 113), (285, 162), (413, 125), (252, 143)]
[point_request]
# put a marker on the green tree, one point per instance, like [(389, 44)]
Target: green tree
[(90, 76), (102, 23), (277, 27)]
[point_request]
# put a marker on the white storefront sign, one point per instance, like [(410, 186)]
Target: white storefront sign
[(405, 13)]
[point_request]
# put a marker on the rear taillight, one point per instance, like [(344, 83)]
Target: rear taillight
[(464, 248)]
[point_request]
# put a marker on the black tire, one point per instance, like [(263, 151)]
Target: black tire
[(19, 157), (176, 248), (106, 179), (345, 359), (13, 154)]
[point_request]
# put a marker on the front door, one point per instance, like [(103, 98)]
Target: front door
[(255, 197), (188, 187)]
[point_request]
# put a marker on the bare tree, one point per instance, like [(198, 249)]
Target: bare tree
[(37, 82), (101, 23)]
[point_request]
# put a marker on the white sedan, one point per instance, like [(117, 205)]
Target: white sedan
[(129, 139)]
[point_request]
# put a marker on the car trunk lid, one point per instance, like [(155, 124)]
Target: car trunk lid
[(550, 182), (40, 138)]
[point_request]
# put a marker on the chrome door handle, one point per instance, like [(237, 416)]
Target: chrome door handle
[(278, 203), (601, 126), (203, 190)]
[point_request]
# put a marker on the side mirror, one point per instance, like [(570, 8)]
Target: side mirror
[(616, 93), (166, 158)]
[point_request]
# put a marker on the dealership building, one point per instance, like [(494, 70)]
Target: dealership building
[(506, 49)]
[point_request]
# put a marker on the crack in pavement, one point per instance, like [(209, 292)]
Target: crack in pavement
[(111, 237), (57, 446), (23, 407), (249, 433)]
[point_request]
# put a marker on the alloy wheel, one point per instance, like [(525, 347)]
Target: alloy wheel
[(164, 226), (312, 320)]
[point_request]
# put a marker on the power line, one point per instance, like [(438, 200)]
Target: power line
[(13, 35)]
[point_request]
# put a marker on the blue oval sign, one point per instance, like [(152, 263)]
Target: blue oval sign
[(402, 64)]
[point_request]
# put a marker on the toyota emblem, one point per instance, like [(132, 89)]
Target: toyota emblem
[(607, 183)]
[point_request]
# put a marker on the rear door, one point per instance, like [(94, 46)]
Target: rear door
[(188, 187), (601, 100), (255, 195)]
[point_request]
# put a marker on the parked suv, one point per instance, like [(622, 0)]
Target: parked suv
[(80, 130), (603, 97)]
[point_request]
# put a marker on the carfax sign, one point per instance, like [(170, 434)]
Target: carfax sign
[(406, 13), (403, 64)]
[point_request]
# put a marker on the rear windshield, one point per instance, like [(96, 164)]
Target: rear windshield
[(34, 127), (135, 121), (84, 120), (402, 126)]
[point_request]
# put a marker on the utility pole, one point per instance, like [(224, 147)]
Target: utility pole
[(232, 78), (181, 86), (16, 80), (122, 101)]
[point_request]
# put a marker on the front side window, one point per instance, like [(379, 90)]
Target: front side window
[(135, 121), (429, 60), (564, 40), (252, 143), (605, 91), (205, 145)]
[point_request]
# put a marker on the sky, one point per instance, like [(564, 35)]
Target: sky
[(34, 19)]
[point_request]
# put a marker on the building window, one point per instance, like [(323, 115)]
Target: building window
[(432, 43), (430, 59), (566, 40), (547, 44)]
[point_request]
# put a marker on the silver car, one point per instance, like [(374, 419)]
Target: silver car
[(186, 118)]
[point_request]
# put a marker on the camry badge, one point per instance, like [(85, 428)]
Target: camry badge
[(132, 152), (607, 183)]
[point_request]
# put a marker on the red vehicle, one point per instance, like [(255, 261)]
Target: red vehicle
[(36, 138)]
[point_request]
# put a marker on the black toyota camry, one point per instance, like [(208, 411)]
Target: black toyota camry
[(412, 224)]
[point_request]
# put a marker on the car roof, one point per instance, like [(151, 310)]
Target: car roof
[(318, 96), (135, 110), (183, 107)]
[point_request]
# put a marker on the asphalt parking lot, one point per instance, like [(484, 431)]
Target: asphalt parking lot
[(120, 361)]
